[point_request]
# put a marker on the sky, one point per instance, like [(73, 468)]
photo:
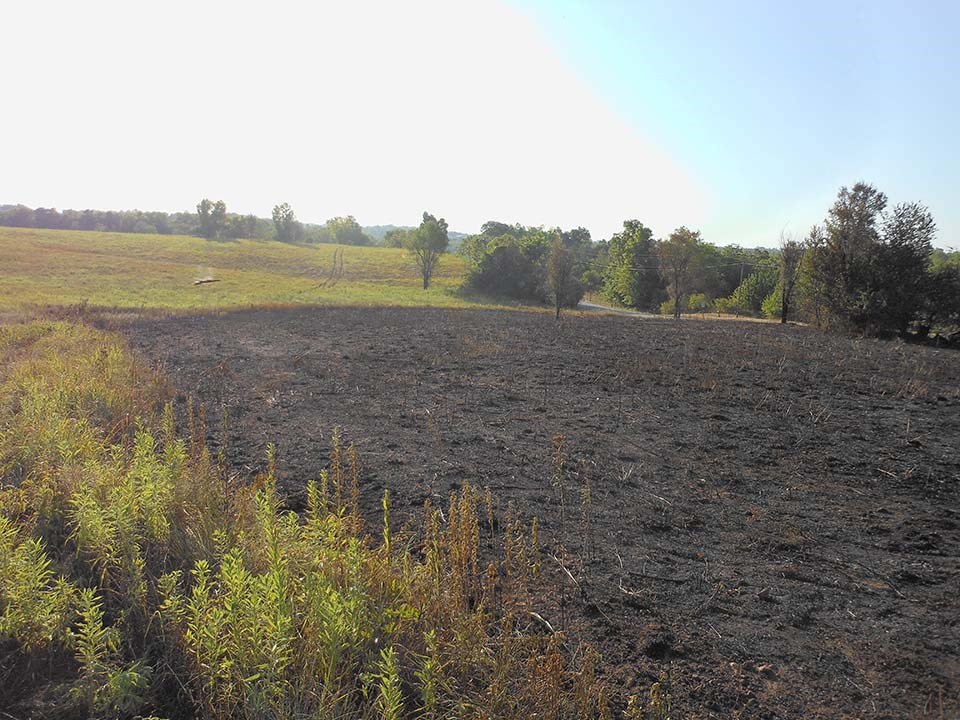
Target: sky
[(740, 119)]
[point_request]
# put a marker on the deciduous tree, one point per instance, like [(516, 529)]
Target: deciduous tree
[(213, 218), (900, 268), (285, 222), (346, 231), (632, 276), (844, 260), (395, 238), (427, 244), (871, 266), (562, 282), (791, 256), (677, 254)]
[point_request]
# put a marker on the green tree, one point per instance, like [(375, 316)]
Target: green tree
[(900, 269), (562, 282), (595, 258), (243, 226), (218, 216), (791, 257), (755, 288), (871, 267), (843, 261), (505, 270), (812, 282), (677, 254), (577, 238), (427, 244), (941, 309), (213, 218), (395, 237), (22, 216), (346, 231), (285, 223), (632, 276), (474, 249), (494, 228)]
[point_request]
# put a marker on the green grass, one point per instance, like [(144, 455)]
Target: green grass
[(60, 267)]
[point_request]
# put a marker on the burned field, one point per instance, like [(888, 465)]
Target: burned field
[(767, 512)]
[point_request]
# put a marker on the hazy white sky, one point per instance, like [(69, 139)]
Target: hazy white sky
[(377, 109), (738, 119)]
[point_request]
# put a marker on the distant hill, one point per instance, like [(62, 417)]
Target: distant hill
[(163, 223), (378, 231)]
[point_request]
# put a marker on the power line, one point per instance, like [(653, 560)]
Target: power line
[(756, 264)]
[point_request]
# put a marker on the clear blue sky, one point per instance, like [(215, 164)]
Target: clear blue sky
[(774, 105), (735, 118)]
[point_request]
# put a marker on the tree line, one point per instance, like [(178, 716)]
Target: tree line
[(211, 220), (867, 267)]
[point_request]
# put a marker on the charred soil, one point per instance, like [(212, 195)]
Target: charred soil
[(769, 513)]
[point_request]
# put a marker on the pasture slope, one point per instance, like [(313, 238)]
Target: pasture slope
[(123, 270), (769, 513)]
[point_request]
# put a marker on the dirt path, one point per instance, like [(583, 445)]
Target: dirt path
[(584, 305), (773, 512)]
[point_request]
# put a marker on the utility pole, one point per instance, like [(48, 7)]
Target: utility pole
[(738, 286)]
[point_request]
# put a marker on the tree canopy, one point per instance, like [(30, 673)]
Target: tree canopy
[(285, 223), (528, 263), (633, 272), (343, 231), (677, 255), (427, 244)]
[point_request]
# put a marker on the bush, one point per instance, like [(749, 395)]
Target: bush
[(749, 297), (506, 270), (772, 304), (699, 303), (725, 305)]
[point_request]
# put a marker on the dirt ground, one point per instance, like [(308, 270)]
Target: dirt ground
[(774, 512)]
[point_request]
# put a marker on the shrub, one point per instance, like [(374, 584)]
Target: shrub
[(507, 271), (699, 303), (772, 306)]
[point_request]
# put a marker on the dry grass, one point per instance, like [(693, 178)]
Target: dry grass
[(56, 267)]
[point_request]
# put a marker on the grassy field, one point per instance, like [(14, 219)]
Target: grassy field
[(59, 267)]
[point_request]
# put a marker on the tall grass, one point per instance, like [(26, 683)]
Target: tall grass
[(136, 578)]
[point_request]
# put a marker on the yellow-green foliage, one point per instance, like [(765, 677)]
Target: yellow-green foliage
[(143, 581), (62, 267), (36, 606)]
